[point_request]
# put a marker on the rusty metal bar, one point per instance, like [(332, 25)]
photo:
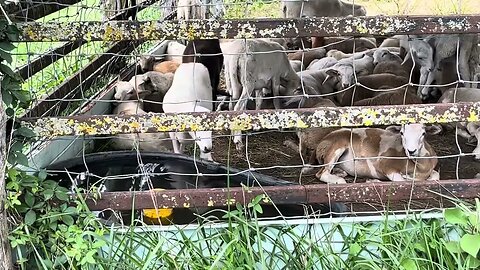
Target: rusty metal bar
[(295, 194), (25, 10), (250, 28), (83, 77), (255, 120)]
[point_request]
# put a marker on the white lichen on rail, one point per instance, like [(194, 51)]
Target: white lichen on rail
[(254, 120), (247, 28)]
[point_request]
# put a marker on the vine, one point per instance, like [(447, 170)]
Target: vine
[(49, 229)]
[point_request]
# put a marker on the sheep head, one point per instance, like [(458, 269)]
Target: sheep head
[(413, 137)]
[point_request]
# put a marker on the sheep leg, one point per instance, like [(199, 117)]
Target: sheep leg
[(312, 161), (434, 176), (463, 67), (330, 159), (396, 176), (276, 93), (175, 143), (241, 106)]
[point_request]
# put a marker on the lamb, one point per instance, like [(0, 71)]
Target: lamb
[(393, 41), (208, 53), (323, 63), (152, 142), (349, 68), (191, 9), (339, 149), (431, 51), (175, 52), (320, 8), (245, 73), (152, 81), (307, 56), (191, 91), (149, 63), (396, 97), (471, 130), (374, 81)]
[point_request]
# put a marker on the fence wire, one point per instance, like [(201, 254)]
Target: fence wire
[(338, 72)]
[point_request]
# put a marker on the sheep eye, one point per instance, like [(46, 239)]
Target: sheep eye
[(420, 58), (401, 133)]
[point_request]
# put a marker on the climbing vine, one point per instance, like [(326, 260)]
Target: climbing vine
[(49, 228)]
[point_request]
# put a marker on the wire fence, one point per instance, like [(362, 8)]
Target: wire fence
[(290, 96)]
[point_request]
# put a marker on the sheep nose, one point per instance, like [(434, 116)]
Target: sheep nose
[(207, 150), (411, 152)]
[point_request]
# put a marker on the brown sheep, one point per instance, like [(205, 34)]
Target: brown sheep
[(373, 81), (397, 97)]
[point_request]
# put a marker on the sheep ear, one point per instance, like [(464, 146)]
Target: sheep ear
[(433, 129), (384, 53), (394, 129), (407, 57)]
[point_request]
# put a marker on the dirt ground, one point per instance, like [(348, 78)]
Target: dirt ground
[(266, 150)]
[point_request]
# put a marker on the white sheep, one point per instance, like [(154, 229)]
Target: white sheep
[(339, 149), (264, 66), (175, 51), (191, 9), (320, 8), (323, 63), (191, 91)]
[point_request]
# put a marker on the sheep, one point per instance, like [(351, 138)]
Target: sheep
[(374, 81), (339, 55), (191, 9), (396, 97), (349, 68), (471, 130), (152, 81), (191, 91), (111, 7), (208, 53), (344, 44), (152, 142), (310, 138), (393, 41), (245, 73), (388, 62), (323, 63), (340, 147), (297, 65), (307, 56), (175, 52), (431, 51), (149, 63), (320, 8)]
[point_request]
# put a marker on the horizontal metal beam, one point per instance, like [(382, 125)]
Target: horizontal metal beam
[(25, 10), (295, 194), (249, 28), (255, 120)]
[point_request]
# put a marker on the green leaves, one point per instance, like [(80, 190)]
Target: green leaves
[(30, 217), (456, 216), (470, 244)]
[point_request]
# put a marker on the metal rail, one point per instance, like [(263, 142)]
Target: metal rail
[(255, 120), (26, 11), (295, 194), (249, 28)]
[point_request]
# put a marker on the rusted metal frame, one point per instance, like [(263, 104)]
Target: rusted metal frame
[(81, 78), (250, 28), (294, 194), (255, 120), (35, 11), (49, 57)]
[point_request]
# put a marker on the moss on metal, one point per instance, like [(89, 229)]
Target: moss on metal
[(255, 120), (255, 28)]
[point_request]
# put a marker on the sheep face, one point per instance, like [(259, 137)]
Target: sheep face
[(346, 72), (382, 55), (422, 54), (413, 137), (204, 142), (123, 90), (334, 79)]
